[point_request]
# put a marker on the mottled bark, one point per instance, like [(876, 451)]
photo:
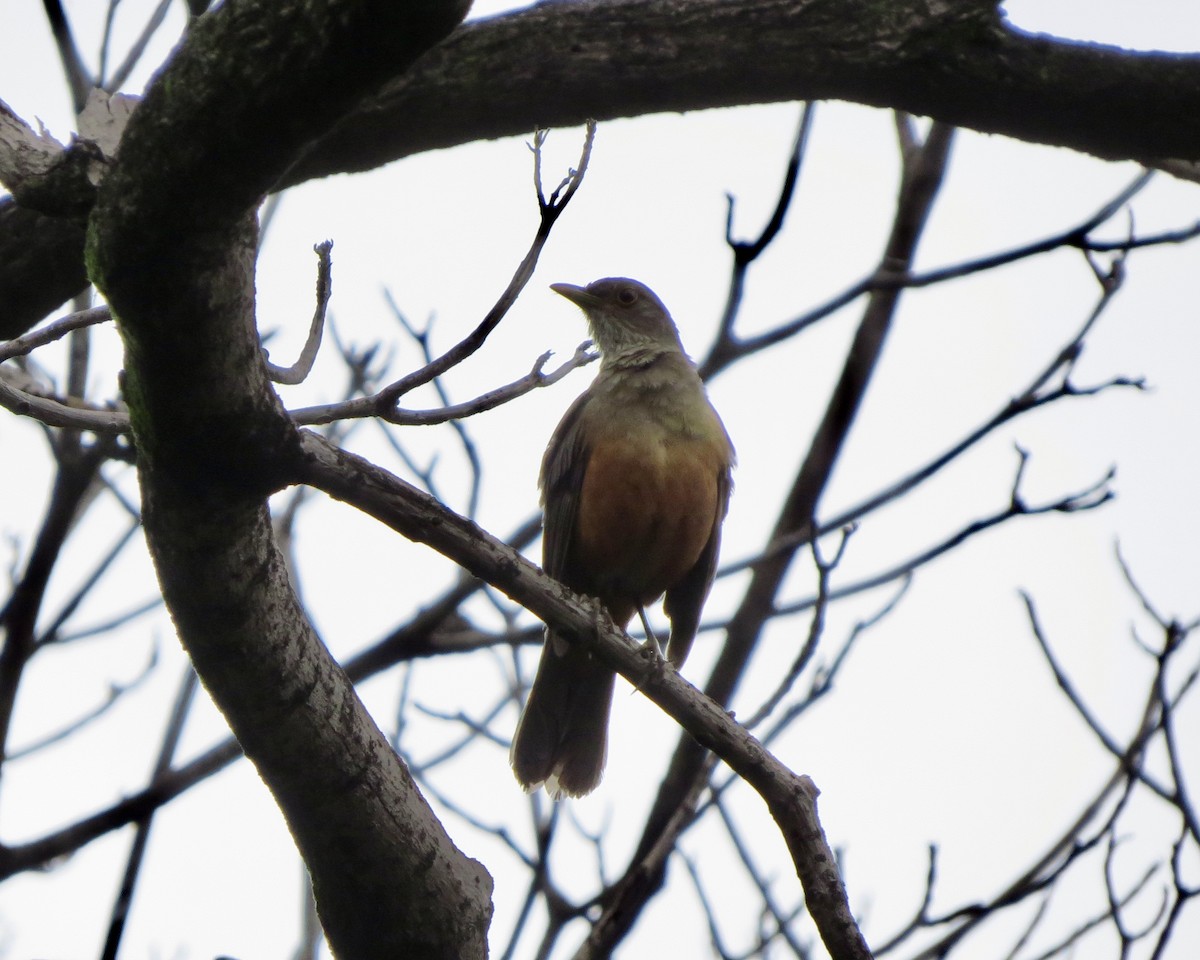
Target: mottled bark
[(171, 244)]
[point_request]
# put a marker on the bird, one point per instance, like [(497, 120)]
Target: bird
[(635, 485)]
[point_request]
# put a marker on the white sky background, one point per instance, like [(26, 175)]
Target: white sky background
[(945, 725)]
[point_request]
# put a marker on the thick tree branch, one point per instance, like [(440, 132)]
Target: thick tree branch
[(955, 62), (213, 441)]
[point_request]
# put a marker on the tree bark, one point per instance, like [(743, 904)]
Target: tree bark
[(171, 244), (558, 64)]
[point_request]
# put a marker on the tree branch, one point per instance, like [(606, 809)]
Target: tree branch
[(213, 442), (955, 62), (791, 799)]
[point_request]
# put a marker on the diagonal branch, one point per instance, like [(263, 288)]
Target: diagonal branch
[(791, 799), (731, 348)]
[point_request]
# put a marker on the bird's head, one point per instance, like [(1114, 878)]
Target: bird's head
[(623, 315)]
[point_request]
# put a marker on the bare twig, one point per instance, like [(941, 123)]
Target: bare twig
[(129, 64), (534, 380), (823, 677), (815, 629), (133, 866), (707, 908), (1067, 848), (470, 451), (887, 278), (1036, 395), (781, 920), (1180, 797), (53, 331), (115, 692), (550, 210), (298, 371), (52, 633), (18, 618), (745, 253), (111, 623), (920, 917), (1076, 700)]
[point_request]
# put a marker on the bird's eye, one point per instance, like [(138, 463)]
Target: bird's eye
[(627, 296)]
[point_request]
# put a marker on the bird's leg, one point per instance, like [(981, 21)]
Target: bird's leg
[(651, 651), (650, 637)]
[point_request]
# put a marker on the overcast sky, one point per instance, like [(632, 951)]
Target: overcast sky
[(946, 725)]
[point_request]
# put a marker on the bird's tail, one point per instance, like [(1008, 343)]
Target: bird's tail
[(562, 737)]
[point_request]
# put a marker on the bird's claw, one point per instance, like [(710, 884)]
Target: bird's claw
[(652, 652)]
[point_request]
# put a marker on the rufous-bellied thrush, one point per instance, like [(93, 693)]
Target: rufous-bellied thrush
[(635, 484)]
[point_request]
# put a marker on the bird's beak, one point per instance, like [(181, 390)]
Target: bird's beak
[(577, 295)]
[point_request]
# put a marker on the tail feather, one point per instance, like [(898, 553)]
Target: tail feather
[(562, 737)]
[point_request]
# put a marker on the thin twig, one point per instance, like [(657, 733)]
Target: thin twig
[(55, 330), (297, 372), (1089, 498), (115, 692), (51, 634), (534, 380), (129, 64), (779, 919), (550, 211), (816, 628), (133, 866), (1034, 396), (745, 253), (887, 278)]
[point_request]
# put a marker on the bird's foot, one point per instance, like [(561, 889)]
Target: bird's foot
[(601, 619), (656, 665), (652, 652), (651, 639)]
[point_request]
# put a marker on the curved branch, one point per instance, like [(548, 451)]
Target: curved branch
[(299, 371), (955, 62), (214, 441)]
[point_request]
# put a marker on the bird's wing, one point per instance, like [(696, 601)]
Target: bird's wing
[(686, 599), (563, 467)]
